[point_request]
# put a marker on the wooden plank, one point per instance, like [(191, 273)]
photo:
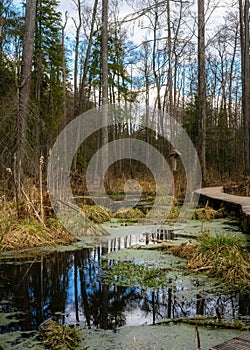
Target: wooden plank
[(239, 343), (245, 336)]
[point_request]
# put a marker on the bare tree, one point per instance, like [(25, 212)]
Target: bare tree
[(245, 76), (24, 89), (105, 77), (87, 57), (1, 25), (104, 52), (78, 28), (170, 72), (202, 87), (64, 70)]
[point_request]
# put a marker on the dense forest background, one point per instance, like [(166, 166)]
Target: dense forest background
[(167, 54)]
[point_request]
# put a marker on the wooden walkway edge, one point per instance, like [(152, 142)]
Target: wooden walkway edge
[(239, 343), (237, 206)]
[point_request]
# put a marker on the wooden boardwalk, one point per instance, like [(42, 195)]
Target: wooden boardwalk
[(238, 206), (239, 343)]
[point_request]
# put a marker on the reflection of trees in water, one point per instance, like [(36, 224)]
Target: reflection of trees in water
[(65, 281), (107, 307)]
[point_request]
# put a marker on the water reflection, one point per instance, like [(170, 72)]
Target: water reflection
[(68, 286)]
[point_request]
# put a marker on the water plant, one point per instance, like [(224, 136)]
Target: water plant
[(125, 273)]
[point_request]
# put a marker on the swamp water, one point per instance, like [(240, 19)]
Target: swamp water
[(113, 290)]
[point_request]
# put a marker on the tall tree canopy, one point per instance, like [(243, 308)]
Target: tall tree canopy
[(53, 69)]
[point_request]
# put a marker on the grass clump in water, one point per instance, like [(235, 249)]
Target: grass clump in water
[(223, 256), (173, 213), (96, 213), (59, 337), (129, 214), (207, 213)]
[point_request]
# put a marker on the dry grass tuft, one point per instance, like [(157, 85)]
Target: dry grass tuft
[(226, 257), (207, 213), (129, 214), (96, 213), (223, 256), (59, 337), (29, 234), (184, 250)]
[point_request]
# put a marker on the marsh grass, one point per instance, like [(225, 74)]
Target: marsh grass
[(59, 337), (28, 233), (205, 213), (129, 214), (208, 213), (173, 213), (223, 256), (96, 213)]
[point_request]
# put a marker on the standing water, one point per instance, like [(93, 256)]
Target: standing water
[(75, 287)]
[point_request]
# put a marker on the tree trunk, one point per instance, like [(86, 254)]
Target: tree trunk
[(105, 79), (86, 62), (24, 90), (170, 73), (64, 75), (78, 28), (245, 72), (202, 88), (1, 26)]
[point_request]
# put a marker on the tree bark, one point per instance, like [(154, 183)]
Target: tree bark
[(1, 26), (202, 88), (24, 90), (82, 107), (78, 28), (64, 75), (245, 75), (104, 79), (170, 72)]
